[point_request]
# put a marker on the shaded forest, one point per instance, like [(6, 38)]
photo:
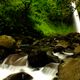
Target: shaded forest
[(36, 17)]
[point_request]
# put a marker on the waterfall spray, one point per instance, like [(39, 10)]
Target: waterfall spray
[(76, 16)]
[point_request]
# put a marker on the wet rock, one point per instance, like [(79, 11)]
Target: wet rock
[(56, 78), (62, 43), (7, 41), (54, 58), (70, 69), (51, 69), (69, 49), (28, 40), (15, 59), (19, 76), (77, 49), (4, 52), (35, 42), (7, 46), (73, 37), (39, 58), (58, 49)]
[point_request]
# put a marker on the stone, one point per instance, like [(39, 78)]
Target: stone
[(70, 69), (19, 76), (6, 41)]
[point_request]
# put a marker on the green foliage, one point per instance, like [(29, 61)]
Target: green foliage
[(50, 29), (35, 17), (53, 10), (50, 15), (15, 20)]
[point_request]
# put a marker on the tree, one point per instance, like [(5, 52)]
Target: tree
[(20, 17), (15, 18)]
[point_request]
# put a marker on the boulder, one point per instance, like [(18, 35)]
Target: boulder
[(6, 41), (19, 76), (70, 69)]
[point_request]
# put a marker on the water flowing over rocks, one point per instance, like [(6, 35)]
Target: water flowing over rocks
[(54, 58)]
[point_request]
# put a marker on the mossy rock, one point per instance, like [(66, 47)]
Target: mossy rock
[(70, 69), (77, 49), (6, 41), (62, 43)]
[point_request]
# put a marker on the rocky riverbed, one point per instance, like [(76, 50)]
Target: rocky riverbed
[(69, 69)]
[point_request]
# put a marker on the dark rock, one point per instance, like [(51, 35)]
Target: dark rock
[(19, 76), (69, 49), (53, 58), (4, 52), (39, 58), (70, 69), (56, 78), (58, 49)]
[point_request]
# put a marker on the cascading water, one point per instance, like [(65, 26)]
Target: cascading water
[(37, 75), (44, 73), (48, 72), (76, 16)]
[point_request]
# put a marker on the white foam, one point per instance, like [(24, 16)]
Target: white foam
[(62, 55), (6, 72), (59, 55), (68, 54), (37, 75)]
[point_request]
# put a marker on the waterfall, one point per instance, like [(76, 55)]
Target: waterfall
[(76, 16)]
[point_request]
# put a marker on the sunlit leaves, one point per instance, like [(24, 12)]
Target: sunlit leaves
[(21, 15)]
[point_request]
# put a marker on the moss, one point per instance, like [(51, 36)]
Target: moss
[(6, 41)]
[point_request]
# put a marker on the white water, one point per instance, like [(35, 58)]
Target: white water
[(37, 75), (47, 72), (76, 16), (62, 56)]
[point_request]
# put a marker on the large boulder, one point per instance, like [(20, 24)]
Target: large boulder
[(7, 46), (15, 59), (70, 69), (40, 58)]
